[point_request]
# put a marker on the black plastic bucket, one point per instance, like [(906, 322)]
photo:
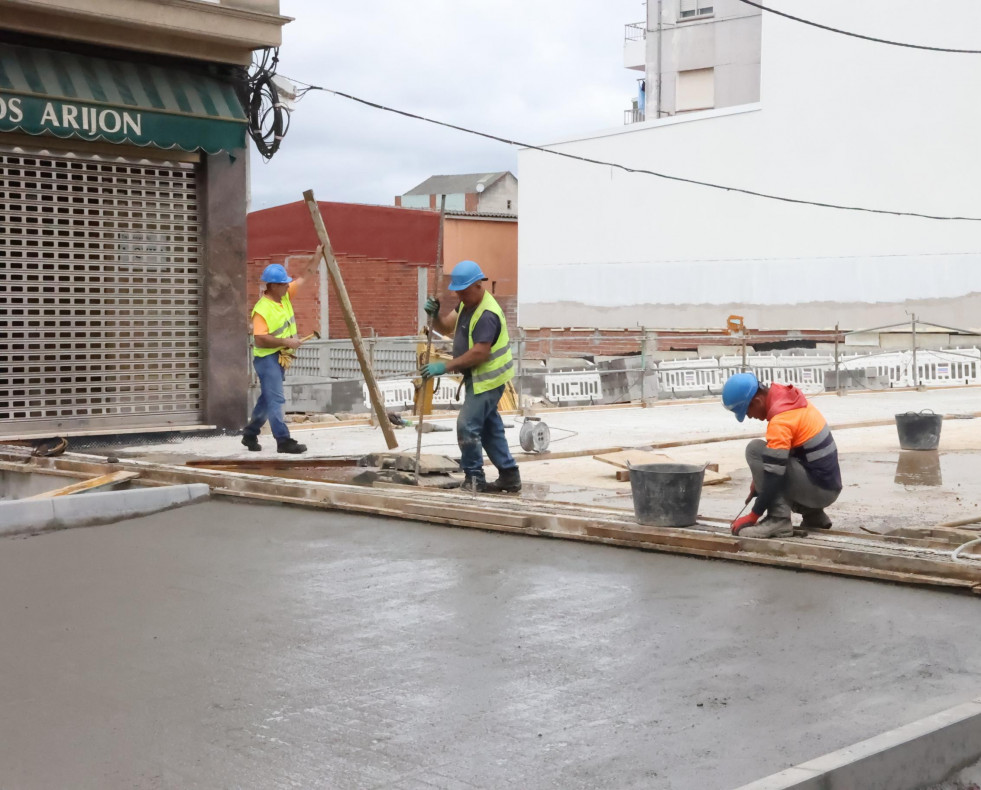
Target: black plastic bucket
[(919, 430), (666, 495)]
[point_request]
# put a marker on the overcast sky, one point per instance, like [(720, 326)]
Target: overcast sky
[(530, 70)]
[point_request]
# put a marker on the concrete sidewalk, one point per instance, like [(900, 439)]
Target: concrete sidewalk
[(244, 645), (585, 430)]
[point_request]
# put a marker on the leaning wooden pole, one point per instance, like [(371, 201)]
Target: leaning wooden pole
[(352, 325), (429, 330)]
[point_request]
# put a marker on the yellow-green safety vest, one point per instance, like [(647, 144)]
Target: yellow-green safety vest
[(498, 368), (279, 318)]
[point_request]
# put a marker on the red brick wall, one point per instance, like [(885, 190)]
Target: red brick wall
[(379, 250), (544, 342), (398, 234), (383, 293)]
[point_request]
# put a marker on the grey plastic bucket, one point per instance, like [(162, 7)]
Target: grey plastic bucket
[(919, 430), (666, 495)]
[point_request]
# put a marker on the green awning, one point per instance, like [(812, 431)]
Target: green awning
[(66, 95)]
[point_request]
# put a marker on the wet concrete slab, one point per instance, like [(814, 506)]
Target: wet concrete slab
[(245, 645), (885, 491), (885, 487)]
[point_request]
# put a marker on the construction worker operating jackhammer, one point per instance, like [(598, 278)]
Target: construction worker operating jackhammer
[(795, 469), (482, 353)]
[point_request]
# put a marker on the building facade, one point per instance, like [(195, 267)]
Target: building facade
[(492, 241), (387, 258), (876, 126), (694, 55), (473, 193), (123, 183)]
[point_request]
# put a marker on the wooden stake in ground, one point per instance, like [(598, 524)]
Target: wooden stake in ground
[(429, 327), (352, 325)]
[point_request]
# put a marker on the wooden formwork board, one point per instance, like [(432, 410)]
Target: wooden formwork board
[(913, 561)]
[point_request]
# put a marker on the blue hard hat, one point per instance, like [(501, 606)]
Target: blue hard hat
[(465, 274), (738, 391), (275, 273)]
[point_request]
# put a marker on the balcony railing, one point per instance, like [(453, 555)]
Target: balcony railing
[(633, 115), (635, 31)]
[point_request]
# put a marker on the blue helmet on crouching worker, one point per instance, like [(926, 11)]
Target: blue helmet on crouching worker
[(738, 391), (465, 274), (275, 273)]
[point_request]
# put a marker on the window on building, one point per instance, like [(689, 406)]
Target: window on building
[(509, 205), (696, 90), (693, 8)]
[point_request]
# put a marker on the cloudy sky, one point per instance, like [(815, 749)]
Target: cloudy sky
[(530, 70)]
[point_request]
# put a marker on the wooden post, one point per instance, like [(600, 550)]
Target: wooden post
[(520, 377), (916, 373), (837, 362), (429, 333), (643, 367), (352, 325)]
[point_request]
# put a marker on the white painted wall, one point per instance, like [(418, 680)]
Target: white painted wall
[(455, 202), (840, 120), (495, 199)]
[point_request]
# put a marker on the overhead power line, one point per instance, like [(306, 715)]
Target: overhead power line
[(307, 88), (859, 35)]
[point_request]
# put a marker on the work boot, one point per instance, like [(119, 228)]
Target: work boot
[(290, 446), (508, 482), (768, 527), (252, 442), (474, 483), (815, 519)]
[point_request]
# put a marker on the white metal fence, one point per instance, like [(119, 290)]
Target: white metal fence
[(394, 363)]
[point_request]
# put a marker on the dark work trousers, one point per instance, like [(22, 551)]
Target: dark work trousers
[(797, 490), (271, 402), (479, 427)]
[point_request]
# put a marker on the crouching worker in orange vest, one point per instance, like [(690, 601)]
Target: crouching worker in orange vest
[(795, 469)]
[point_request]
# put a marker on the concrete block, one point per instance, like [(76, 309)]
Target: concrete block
[(17, 512), (792, 777), (323, 396), (911, 757), (100, 507)]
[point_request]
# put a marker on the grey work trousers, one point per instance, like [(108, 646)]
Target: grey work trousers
[(799, 494)]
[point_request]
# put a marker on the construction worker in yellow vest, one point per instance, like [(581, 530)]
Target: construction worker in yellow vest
[(482, 353), (273, 329)]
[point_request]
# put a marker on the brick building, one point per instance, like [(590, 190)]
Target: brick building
[(386, 256)]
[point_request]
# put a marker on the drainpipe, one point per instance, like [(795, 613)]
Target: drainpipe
[(657, 107)]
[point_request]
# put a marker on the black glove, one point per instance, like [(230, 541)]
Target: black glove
[(432, 306)]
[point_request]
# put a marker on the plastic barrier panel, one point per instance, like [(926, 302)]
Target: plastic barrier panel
[(697, 376), (573, 386), (396, 394)]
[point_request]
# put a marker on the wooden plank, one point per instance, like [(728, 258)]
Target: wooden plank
[(866, 559), (272, 464), (690, 547), (624, 459), (378, 404), (114, 478)]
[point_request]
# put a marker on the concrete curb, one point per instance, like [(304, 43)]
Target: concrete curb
[(917, 755), (101, 507)]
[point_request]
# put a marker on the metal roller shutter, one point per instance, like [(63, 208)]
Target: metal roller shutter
[(100, 293)]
